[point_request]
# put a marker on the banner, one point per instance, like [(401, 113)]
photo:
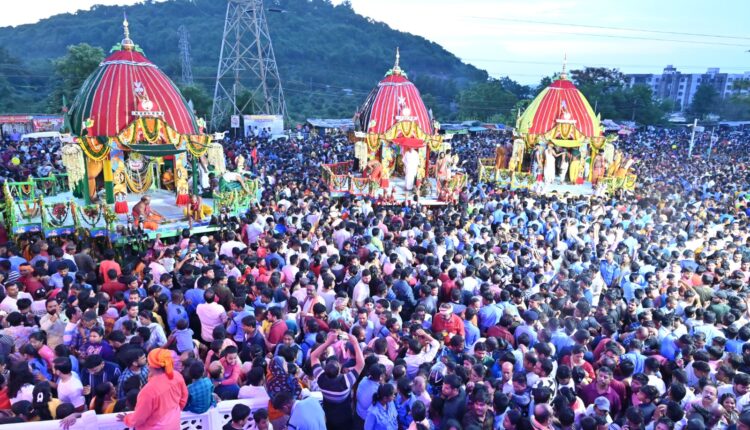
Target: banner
[(47, 123), (235, 123), (14, 119), (254, 124)]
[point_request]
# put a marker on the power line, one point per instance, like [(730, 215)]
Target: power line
[(604, 27), (609, 65)]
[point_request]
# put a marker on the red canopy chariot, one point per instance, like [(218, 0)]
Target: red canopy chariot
[(127, 115), (394, 113)]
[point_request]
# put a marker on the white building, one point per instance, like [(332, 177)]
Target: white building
[(680, 87)]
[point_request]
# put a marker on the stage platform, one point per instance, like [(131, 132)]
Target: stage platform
[(585, 189), (162, 201), (401, 195)]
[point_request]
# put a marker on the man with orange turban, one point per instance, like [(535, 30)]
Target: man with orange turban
[(161, 400)]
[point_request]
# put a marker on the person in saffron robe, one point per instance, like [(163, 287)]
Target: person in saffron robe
[(501, 157), (197, 210), (151, 218), (167, 180), (600, 166), (162, 399), (374, 170)]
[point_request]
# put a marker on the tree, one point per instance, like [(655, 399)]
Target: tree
[(736, 108), (13, 79), (705, 101), (639, 100), (601, 87), (518, 90), (740, 85), (352, 53), (545, 82), (72, 70), (484, 100), (606, 79), (202, 102)]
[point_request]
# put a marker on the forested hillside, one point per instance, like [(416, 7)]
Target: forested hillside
[(328, 56)]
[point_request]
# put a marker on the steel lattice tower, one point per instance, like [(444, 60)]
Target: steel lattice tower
[(246, 63), (185, 61)]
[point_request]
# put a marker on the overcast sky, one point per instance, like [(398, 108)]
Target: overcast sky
[(527, 39)]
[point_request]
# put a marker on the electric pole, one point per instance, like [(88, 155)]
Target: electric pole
[(247, 66), (185, 61)]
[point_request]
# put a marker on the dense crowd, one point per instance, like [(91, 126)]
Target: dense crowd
[(508, 310)]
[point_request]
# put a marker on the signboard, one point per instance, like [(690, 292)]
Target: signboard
[(235, 121), (15, 119), (256, 123), (47, 123)]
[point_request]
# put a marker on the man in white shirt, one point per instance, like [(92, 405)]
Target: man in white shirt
[(211, 314), (12, 295), (53, 323), (230, 244), (421, 350), (254, 230), (341, 235), (69, 387), (404, 254), (362, 289)]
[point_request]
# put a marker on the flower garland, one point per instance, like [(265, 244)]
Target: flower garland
[(58, 213), (109, 216), (26, 188), (139, 181), (90, 215), (215, 157), (47, 187), (27, 213), (95, 148)]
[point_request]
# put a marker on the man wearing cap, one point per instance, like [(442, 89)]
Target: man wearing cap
[(162, 399), (600, 409), (447, 324)]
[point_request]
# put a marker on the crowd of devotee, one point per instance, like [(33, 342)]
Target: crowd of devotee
[(506, 310)]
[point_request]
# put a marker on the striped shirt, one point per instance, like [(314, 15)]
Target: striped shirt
[(336, 395), (335, 390)]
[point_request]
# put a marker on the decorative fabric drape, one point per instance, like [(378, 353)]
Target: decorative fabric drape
[(94, 169)]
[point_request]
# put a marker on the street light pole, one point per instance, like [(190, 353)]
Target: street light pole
[(692, 138)]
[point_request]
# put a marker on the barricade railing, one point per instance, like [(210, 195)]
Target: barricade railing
[(213, 419)]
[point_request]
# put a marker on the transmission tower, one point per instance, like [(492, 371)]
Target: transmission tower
[(186, 63), (246, 65)]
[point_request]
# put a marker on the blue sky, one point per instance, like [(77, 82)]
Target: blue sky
[(527, 39)]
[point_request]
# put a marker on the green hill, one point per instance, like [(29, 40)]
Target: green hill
[(329, 57)]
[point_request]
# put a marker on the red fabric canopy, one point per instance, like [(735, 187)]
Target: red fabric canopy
[(409, 142), (562, 95), (114, 93), (394, 99)]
